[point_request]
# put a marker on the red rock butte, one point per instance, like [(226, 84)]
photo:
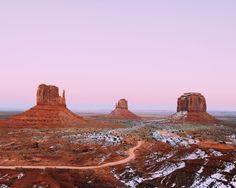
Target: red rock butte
[(49, 95), (192, 107), (50, 110), (122, 112), (192, 102)]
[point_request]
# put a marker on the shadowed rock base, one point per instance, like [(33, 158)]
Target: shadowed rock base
[(46, 115)]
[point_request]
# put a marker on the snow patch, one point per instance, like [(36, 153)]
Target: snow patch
[(197, 154), (215, 153), (200, 170), (20, 175), (167, 169), (228, 167), (131, 182), (106, 138), (180, 115), (172, 139), (4, 186)]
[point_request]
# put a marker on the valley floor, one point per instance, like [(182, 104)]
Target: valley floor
[(153, 152)]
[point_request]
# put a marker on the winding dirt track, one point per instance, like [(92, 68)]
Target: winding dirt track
[(130, 152)]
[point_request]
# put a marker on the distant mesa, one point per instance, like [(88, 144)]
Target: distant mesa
[(50, 110), (192, 107), (122, 112)]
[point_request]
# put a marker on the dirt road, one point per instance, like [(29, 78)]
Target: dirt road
[(130, 152)]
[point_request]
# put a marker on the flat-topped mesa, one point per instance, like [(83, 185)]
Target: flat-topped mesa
[(121, 111), (192, 102), (49, 95), (192, 107)]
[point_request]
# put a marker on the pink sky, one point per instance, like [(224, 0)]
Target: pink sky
[(147, 51)]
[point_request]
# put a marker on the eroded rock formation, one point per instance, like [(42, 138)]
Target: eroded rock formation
[(122, 112), (191, 102), (122, 104), (50, 110), (49, 95), (192, 107)]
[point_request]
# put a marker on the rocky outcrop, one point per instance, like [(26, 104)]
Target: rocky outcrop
[(50, 110), (191, 102), (122, 104), (49, 95), (192, 107), (122, 112)]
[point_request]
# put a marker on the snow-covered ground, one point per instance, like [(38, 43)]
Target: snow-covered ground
[(166, 169), (131, 179), (160, 165), (102, 138), (217, 179), (172, 139), (196, 154)]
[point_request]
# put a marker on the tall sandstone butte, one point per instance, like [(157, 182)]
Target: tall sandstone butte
[(192, 107), (122, 112), (49, 95), (50, 110)]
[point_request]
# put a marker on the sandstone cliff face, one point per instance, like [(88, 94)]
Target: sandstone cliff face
[(49, 95), (121, 111), (192, 107), (191, 102)]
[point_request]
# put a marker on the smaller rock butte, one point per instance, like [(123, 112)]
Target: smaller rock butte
[(122, 112), (192, 107)]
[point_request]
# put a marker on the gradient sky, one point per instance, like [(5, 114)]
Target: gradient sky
[(148, 51)]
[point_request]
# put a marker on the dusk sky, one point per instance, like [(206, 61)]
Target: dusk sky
[(147, 51)]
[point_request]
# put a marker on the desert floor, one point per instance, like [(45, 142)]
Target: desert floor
[(154, 152)]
